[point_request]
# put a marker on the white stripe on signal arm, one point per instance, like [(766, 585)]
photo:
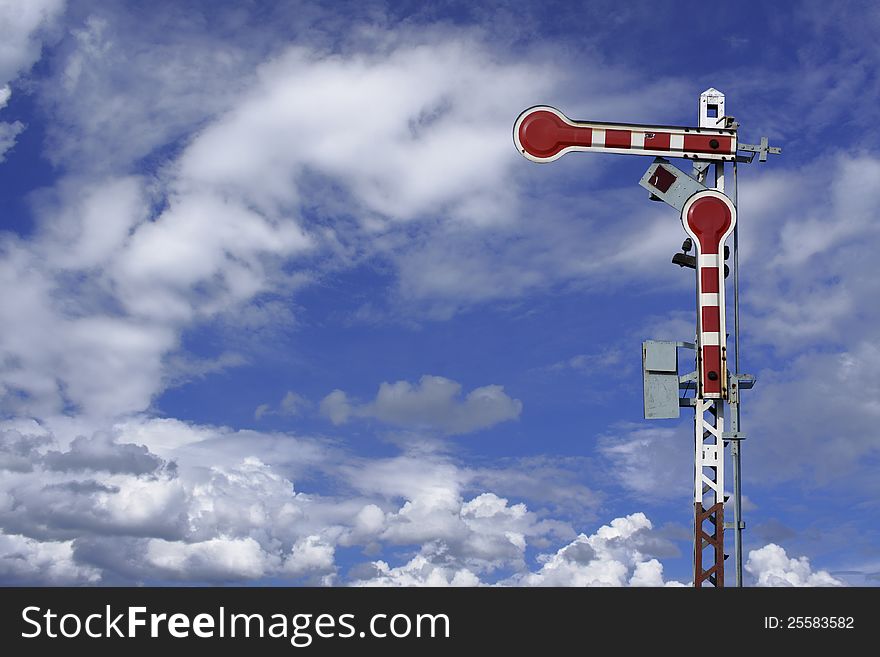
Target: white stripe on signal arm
[(676, 142), (709, 299), (709, 260), (710, 338), (637, 140), (598, 138)]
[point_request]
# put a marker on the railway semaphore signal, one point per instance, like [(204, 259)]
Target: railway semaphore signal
[(709, 217)]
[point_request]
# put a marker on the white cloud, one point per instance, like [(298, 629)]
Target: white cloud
[(616, 555), (480, 533), (771, 566), (67, 349), (25, 561), (613, 556), (213, 559), (434, 403), (100, 452), (201, 240), (88, 224), (311, 555), (651, 462), (811, 263), (50, 506), (230, 520), (245, 499), (21, 24), (824, 433), (411, 102), (8, 133), (207, 509), (291, 404), (129, 288), (163, 436), (128, 81), (22, 27), (336, 407), (649, 573), (486, 531), (419, 571), (369, 522)]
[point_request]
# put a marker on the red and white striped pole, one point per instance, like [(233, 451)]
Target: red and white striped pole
[(709, 217)]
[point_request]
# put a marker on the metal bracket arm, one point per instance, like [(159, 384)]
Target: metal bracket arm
[(763, 149)]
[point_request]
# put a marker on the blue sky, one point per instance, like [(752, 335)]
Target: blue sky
[(283, 305)]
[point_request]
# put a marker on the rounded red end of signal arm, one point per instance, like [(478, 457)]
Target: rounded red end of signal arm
[(543, 133)]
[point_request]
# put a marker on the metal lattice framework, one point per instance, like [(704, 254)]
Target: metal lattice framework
[(708, 491)]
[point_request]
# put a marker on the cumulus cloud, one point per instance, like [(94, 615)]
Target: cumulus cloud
[(19, 451), (485, 530), (481, 533), (222, 514), (231, 520), (26, 562), (214, 559), (419, 571), (126, 516), (100, 452), (312, 555), (771, 566), (434, 403), (613, 556)]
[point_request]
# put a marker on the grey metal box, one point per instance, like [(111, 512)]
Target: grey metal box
[(660, 355), (660, 374)]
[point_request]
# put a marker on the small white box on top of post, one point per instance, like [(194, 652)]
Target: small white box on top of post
[(711, 109)]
